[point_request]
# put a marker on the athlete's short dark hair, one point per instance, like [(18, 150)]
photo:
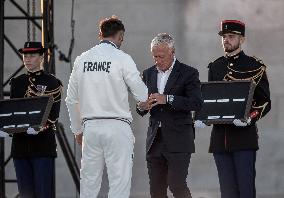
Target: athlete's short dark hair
[(110, 26)]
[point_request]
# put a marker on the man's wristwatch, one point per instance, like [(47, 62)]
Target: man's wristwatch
[(170, 99)]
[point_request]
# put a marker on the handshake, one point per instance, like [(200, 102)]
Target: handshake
[(236, 122), (153, 100)]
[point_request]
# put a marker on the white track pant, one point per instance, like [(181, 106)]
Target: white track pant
[(106, 141)]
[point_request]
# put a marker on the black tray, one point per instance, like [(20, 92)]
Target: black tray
[(16, 115), (225, 101)]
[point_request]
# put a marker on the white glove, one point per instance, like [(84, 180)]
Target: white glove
[(31, 131), (199, 124), (240, 123), (3, 134)]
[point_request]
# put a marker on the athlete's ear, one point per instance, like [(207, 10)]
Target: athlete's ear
[(121, 36)]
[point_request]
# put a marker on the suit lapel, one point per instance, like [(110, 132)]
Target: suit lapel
[(172, 78), (153, 81)]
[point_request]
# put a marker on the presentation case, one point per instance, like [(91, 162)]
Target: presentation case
[(225, 101), (16, 115)]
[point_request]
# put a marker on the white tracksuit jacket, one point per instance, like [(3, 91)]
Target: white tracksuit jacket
[(99, 84)]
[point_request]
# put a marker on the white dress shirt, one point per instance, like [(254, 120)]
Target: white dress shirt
[(163, 77)]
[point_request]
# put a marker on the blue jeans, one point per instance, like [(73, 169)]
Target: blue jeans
[(236, 172), (35, 177)]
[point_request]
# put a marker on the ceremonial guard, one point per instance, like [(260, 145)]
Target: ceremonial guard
[(34, 152), (234, 145)]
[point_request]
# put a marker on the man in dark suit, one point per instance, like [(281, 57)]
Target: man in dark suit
[(174, 91)]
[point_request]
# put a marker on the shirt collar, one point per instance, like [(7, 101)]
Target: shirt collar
[(109, 42), (235, 56), (36, 73), (170, 69)]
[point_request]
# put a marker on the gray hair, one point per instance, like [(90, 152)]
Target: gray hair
[(163, 38)]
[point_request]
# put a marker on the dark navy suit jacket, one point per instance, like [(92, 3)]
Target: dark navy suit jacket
[(176, 120)]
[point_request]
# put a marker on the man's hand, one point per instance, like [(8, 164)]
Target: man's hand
[(32, 131), (240, 123), (157, 98), (3, 134), (144, 106), (79, 138)]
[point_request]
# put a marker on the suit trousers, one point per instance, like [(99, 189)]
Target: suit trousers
[(236, 172), (35, 177), (110, 142), (167, 169)]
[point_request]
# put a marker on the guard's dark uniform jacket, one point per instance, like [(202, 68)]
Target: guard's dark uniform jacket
[(30, 85), (226, 138)]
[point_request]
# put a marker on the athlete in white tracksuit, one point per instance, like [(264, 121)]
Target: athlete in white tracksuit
[(97, 101)]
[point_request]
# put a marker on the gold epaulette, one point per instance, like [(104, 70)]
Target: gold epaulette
[(260, 61)]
